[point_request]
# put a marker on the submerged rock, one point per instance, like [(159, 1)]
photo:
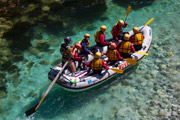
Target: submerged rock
[(44, 62), (170, 54), (3, 94)]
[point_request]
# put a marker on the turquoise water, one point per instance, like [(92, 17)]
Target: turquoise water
[(150, 92)]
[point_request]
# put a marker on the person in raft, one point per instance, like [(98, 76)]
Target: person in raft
[(85, 45), (125, 48), (99, 36), (97, 64), (68, 55), (79, 58), (137, 39), (113, 55), (117, 29)]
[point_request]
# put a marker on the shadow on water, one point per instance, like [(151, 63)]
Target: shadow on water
[(59, 101), (136, 4)]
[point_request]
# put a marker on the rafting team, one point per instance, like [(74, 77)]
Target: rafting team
[(124, 49)]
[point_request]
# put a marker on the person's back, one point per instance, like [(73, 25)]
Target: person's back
[(125, 48), (99, 36), (137, 39)]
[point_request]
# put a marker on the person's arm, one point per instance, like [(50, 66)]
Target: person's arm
[(104, 65), (102, 39), (115, 33), (118, 55), (85, 48), (118, 46), (125, 24), (132, 48), (76, 58), (132, 38), (88, 65)]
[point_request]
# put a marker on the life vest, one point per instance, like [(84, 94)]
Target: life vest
[(64, 51), (87, 44), (125, 47), (119, 30), (138, 39), (96, 64), (111, 54), (97, 34)]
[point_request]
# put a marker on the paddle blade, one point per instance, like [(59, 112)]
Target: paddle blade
[(31, 111), (142, 53), (128, 10), (131, 61), (117, 70), (149, 21)]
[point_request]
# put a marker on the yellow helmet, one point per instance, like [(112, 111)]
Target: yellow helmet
[(98, 55), (121, 22), (86, 35), (135, 29), (126, 37), (103, 28)]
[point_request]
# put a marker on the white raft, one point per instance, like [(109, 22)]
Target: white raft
[(82, 81)]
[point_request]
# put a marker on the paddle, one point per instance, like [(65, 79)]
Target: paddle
[(127, 13), (142, 53), (117, 70), (147, 23), (32, 110), (131, 61)]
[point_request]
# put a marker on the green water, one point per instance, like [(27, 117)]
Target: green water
[(148, 93)]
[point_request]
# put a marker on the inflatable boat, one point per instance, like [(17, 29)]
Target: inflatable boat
[(84, 80)]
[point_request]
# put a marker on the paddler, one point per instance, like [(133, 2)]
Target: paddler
[(99, 36), (97, 64), (79, 58), (85, 45), (68, 54), (117, 29), (113, 55), (125, 48), (137, 39)]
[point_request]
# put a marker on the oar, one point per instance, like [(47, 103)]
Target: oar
[(32, 110), (147, 23), (127, 13), (142, 53), (131, 61), (117, 70)]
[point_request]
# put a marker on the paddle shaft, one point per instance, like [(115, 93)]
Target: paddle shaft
[(50, 86), (127, 13)]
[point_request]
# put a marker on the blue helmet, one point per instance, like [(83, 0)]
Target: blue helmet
[(67, 39)]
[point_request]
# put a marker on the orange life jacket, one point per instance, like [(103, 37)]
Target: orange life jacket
[(138, 39), (125, 47), (111, 54), (97, 34), (96, 64), (119, 31)]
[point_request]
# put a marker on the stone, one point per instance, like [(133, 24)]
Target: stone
[(148, 76), (170, 54), (37, 65), (44, 62), (163, 67), (45, 8), (3, 94), (56, 62), (161, 113), (174, 113), (16, 82)]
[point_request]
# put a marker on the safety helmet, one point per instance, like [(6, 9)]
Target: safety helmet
[(126, 37), (113, 45), (98, 55), (121, 22), (67, 39), (135, 29), (103, 28), (86, 35), (78, 46)]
